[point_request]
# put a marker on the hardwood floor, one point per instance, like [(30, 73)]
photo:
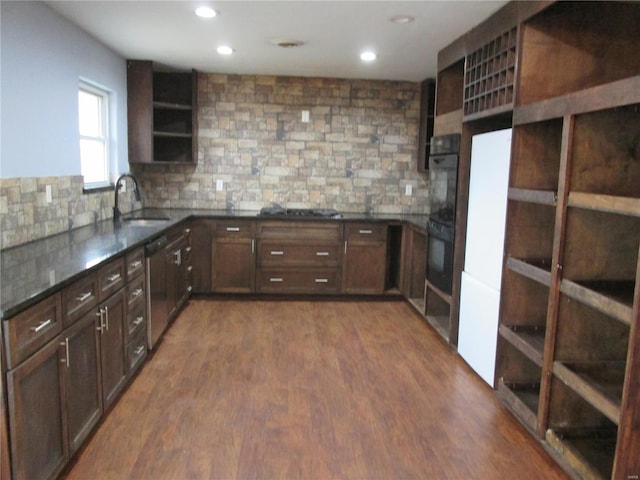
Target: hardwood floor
[(308, 389)]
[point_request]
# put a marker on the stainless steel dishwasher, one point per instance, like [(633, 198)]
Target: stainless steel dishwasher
[(157, 290)]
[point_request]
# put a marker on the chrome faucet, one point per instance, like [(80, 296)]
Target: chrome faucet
[(136, 191)]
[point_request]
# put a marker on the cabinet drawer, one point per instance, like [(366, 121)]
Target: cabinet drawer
[(135, 263), (111, 278), (365, 232), (79, 297), (318, 231), (25, 333), (136, 319), (135, 292), (136, 351), (309, 281), (299, 255), (234, 228)]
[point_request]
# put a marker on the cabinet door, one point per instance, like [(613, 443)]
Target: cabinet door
[(82, 374), (365, 258), (201, 244), (233, 265), (112, 347), (364, 268), (37, 415)]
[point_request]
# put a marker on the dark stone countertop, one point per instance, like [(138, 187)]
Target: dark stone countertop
[(32, 271)]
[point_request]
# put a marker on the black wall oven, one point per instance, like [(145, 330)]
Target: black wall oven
[(443, 180)]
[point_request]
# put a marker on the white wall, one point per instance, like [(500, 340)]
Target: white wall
[(42, 58)]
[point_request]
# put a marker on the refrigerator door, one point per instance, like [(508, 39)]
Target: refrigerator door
[(480, 289), (477, 337), (488, 187)]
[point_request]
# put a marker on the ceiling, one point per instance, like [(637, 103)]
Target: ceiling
[(334, 33)]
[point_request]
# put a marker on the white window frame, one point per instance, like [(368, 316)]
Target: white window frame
[(103, 137)]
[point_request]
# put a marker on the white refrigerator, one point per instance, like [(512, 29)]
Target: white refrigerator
[(480, 289)]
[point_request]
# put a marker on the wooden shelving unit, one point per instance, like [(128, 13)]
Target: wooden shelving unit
[(162, 114), (490, 74), (437, 305)]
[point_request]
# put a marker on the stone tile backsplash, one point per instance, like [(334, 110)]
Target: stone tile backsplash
[(25, 214), (356, 153)]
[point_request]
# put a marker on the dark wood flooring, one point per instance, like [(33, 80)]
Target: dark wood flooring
[(308, 390)]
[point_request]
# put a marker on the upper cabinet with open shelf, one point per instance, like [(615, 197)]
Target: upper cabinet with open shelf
[(162, 114)]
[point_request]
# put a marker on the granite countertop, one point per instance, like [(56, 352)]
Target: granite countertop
[(32, 271)]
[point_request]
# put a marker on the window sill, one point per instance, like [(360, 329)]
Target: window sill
[(97, 189)]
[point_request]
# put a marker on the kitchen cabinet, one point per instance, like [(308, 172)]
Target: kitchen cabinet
[(299, 257), (233, 256), (162, 113), (427, 105), (365, 258), (414, 246), (201, 243), (178, 269), (37, 415), (60, 385)]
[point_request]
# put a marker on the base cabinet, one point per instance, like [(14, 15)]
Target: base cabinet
[(37, 415), (233, 257), (365, 259), (112, 348)]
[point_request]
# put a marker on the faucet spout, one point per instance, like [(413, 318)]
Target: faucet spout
[(117, 214)]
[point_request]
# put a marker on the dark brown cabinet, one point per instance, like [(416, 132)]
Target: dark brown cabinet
[(37, 415), (162, 114), (233, 257), (178, 270), (427, 106), (83, 388), (112, 347), (365, 258), (299, 257)]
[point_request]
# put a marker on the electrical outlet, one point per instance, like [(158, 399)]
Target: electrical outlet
[(408, 189), (305, 116), (48, 194), (219, 185)]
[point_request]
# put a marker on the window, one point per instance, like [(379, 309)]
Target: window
[(93, 116)]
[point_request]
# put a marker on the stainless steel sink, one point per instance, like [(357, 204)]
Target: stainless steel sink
[(145, 221)]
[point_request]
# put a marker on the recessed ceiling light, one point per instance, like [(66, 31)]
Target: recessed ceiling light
[(367, 56), (206, 12), (224, 50), (401, 19)]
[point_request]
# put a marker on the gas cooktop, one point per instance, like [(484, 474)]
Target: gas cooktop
[(299, 212)]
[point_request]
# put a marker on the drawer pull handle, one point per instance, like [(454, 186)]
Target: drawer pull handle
[(277, 252), (42, 325), (113, 278), (365, 232), (139, 350), (81, 298), (137, 292), (322, 280), (233, 229), (275, 279), (135, 264), (138, 321), (322, 254)]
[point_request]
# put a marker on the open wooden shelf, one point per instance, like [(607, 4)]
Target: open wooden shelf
[(606, 203), (591, 43), (582, 434), (529, 339), (522, 399), (541, 197), (449, 89), (589, 452), (614, 298), (437, 308), (536, 156), (538, 269)]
